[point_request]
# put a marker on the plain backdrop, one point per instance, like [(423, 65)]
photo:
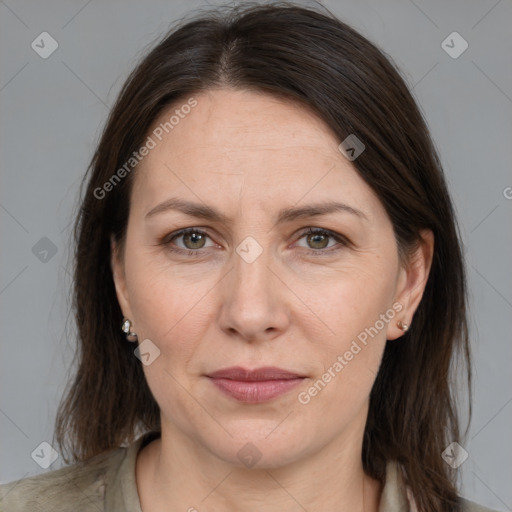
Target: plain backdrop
[(52, 111)]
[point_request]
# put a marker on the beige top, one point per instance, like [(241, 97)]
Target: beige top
[(106, 483)]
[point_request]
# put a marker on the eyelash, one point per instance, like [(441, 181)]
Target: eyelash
[(342, 241)]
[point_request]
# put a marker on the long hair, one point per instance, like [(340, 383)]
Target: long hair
[(322, 63)]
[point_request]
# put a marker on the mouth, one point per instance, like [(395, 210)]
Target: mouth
[(255, 386)]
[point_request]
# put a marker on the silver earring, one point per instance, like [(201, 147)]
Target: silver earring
[(127, 329), (402, 326)]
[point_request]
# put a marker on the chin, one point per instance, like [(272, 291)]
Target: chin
[(260, 448)]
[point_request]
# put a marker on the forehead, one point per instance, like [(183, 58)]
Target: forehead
[(235, 142), (239, 121)]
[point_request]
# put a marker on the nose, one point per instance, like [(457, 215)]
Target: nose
[(254, 304)]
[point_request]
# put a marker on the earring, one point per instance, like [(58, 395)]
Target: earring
[(402, 326), (127, 329)]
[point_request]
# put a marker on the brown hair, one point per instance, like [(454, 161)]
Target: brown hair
[(321, 62)]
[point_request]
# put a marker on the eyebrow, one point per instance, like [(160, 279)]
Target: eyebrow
[(285, 215)]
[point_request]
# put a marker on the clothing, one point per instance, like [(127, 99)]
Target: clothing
[(106, 483)]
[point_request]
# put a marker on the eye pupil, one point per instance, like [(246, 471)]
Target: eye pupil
[(194, 238), (317, 238)]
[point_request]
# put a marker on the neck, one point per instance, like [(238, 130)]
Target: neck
[(176, 473)]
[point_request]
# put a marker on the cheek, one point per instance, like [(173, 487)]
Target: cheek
[(171, 312), (357, 309), (354, 298), (163, 303)]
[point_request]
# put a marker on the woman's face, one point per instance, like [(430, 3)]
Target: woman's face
[(248, 287)]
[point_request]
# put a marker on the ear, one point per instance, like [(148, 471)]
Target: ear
[(411, 283), (118, 274)]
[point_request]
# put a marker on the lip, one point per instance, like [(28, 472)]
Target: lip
[(258, 374), (255, 386)]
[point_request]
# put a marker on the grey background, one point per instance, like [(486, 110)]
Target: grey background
[(52, 111)]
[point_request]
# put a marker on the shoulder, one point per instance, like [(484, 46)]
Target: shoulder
[(81, 484), (469, 506), (398, 494)]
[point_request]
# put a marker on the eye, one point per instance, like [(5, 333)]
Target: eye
[(192, 240), (318, 239)]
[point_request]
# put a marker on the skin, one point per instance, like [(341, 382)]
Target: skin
[(248, 155)]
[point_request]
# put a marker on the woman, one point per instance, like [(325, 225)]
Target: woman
[(269, 286)]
